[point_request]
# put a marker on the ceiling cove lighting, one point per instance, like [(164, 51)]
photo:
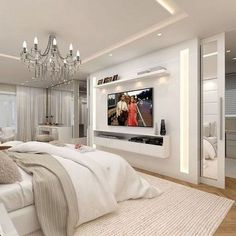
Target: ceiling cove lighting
[(184, 111), (165, 5), (210, 54), (50, 63), (9, 56)]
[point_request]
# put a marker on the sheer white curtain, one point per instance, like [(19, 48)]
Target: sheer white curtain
[(62, 107), (31, 111)]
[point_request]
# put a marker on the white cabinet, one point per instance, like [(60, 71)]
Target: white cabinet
[(61, 133), (140, 148)]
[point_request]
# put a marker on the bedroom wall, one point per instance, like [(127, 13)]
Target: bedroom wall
[(166, 106)]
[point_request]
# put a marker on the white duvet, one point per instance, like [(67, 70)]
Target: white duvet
[(101, 179)]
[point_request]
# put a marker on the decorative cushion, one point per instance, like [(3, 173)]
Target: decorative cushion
[(9, 172)]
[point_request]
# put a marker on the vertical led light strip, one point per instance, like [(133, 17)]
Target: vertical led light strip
[(184, 111), (94, 101)]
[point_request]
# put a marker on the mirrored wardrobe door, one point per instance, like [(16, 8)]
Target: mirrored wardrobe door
[(212, 111)]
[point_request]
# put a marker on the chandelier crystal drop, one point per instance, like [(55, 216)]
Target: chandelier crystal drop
[(50, 63)]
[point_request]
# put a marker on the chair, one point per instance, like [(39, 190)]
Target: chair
[(7, 134)]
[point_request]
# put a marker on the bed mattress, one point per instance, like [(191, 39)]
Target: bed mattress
[(25, 220), (18, 195)]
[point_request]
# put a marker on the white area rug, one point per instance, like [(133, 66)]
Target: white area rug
[(179, 211)]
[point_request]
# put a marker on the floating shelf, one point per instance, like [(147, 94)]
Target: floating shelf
[(97, 131), (123, 144), (159, 73)]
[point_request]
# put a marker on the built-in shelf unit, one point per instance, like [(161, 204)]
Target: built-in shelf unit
[(120, 141)]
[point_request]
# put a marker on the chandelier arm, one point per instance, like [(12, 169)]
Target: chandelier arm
[(31, 57), (59, 54), (49, 45)]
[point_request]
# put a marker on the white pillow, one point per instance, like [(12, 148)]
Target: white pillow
[(213, 129), (11, 143), (33, 147), (206, 129), (208, 150)]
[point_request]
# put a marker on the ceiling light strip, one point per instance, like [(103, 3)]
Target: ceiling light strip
[(9, 56)]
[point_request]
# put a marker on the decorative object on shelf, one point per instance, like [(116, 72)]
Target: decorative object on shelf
[(156, 128), (50, 63), (107, 80), (148, 140), (163, 128), (100, 81), (159, 69), (115, 78)]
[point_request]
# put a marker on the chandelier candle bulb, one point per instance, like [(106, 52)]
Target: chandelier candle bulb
[(71, 49), (54, 42), (24, 46), (35, 41), (77, 55)]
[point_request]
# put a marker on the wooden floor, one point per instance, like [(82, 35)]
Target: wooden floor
[(228, 226)]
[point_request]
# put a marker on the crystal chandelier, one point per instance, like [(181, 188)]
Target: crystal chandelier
[(50, 63)]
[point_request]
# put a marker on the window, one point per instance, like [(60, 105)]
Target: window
[(7, 110)]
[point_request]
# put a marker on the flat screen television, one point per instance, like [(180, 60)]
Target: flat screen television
[(131, 108)]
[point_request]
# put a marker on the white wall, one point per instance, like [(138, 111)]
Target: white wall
[(166, 106)]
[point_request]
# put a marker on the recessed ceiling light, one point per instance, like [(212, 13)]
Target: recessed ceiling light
[(234, 58), (228, 51), (159, 34), (110, 55)]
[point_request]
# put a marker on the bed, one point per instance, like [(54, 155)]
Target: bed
[(18, 199), (114, 181)]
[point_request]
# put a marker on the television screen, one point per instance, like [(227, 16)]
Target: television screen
[(131, 108)]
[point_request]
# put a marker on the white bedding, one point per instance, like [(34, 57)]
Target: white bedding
[(18, 195), (100, 179)]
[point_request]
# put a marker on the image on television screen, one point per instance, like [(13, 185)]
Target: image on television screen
[(131, 108)]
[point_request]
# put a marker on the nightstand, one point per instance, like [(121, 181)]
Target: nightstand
[(6, 226)]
